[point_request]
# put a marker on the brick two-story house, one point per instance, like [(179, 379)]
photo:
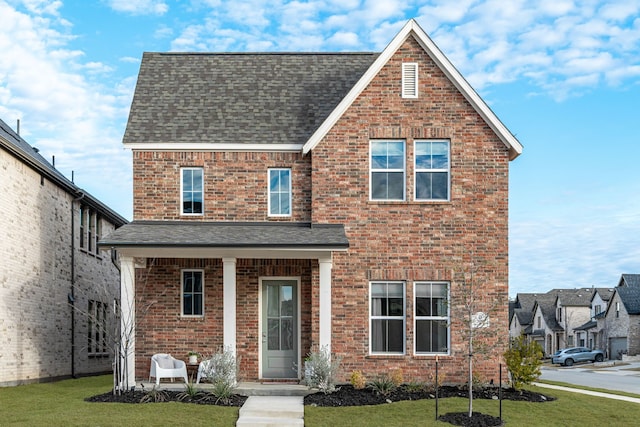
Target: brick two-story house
[(285, 201)]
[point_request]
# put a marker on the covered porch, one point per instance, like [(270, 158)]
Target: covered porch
[(260, 280)]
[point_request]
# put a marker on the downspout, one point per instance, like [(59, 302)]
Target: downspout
[(72, 297)]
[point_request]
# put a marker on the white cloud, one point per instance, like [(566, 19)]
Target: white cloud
[(140, 7)]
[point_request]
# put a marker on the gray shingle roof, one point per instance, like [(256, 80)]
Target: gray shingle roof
[(227, 235), (12, 142), (580, 297), (630, 280), (630, 297), (239, 97)]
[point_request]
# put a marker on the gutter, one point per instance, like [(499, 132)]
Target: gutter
[(71, 296)]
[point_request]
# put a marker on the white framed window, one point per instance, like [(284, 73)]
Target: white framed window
[(83, 226), (410, 80), (387, 170), (97, 328), (279, 192), (387, 318), (192, 191), (431, 318), (432, 170), (192, 293)]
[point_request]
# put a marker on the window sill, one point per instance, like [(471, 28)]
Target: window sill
[(386, 356)]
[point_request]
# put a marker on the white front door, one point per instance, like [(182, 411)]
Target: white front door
[(279, 328)]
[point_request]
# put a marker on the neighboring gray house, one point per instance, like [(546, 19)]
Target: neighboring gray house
[(51, 272), (551, 318), (589, 334), (620, 326)]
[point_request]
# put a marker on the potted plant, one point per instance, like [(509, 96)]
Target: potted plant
[(193, 357)]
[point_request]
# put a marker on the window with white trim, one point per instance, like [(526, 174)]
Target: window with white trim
[(387, 170), (410, 80), (431, 317), (192, 191), (431, 170), (97, 328), (192, 293), (387, 318), (279, 192)]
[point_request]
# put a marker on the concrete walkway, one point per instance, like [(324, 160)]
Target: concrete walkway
[(591, 393), (272, 411)]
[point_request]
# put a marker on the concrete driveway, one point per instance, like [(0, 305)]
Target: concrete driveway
[(606, 375)]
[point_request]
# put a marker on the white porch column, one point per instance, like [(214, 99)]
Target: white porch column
[(229, 303), (127, 322), (325, 303)]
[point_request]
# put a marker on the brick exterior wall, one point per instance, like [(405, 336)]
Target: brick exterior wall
[(401, 241), (235, 185), (35, 280)]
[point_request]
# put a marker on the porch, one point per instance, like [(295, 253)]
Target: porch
[(231, 245)]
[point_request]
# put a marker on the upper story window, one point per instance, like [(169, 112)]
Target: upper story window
[(90, 229), (192, 293), (431, 317), (410, 80), (192, 191), (432, 170), (387, 170), (387, 318), (279, 192)]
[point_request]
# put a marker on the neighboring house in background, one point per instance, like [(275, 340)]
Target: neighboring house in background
[(285, 202), (590, 332), (49, 264), (521, 317), (620, 326), (552, 317), (546, 330), (573, 308)]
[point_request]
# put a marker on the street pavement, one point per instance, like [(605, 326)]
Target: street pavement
[(616, 376)]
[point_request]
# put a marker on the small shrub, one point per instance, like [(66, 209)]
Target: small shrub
[(523, 360), (477, 383), (190, 392), (154, 395), (223, 391), (222, 366), (382, 385), (436, 382), (357, 380), (397, 377), (416, 386), (321, 370)]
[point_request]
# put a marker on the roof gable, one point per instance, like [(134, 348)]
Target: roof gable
[(413, 29)]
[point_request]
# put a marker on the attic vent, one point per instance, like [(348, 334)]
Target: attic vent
[(410, 80)]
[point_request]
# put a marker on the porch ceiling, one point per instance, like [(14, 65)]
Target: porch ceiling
[(190, 239)]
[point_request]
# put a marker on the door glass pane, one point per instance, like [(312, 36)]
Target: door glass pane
[(273, 299), (273, 334), (287, 301), (286, 331)]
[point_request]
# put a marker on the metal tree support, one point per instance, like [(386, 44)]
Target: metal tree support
[(437, 388)]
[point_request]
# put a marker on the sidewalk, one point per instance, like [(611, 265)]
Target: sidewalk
[(592, 393)]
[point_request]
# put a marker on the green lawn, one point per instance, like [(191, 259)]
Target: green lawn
[(62, 404)]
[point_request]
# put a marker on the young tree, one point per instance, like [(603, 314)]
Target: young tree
[(524, 360), (476, 308)]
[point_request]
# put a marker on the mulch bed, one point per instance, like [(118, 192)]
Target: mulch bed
[(346, 395)]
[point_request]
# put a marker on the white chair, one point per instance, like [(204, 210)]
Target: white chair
[(204, 370), (165, 366)]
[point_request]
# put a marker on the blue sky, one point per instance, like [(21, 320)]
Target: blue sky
[(564, 76)]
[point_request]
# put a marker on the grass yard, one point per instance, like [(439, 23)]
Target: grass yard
[(62, 404)]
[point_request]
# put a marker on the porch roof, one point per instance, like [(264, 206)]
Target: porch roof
[(258, 235)]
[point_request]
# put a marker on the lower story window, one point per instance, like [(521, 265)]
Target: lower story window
[(192, 293), (97, 328), (387, 318), (431, 317)]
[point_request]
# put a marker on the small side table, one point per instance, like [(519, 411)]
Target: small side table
[(192, 371)]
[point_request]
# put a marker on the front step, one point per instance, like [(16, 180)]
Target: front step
[(276, 411)]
